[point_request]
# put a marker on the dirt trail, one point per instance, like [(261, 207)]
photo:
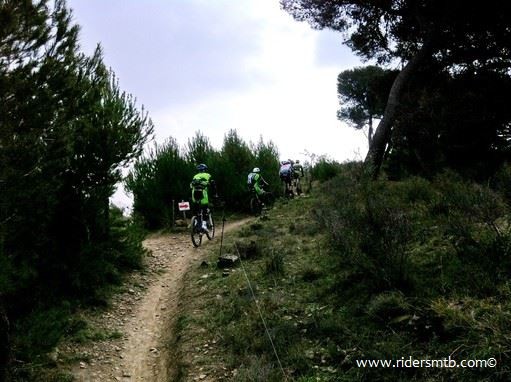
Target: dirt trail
[(145, 315)]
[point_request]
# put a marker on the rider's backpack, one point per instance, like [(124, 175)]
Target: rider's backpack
[(198, 184), (251, 179), (285, 170)]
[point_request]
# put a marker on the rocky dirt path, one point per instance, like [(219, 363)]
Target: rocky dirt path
[(143, 317)]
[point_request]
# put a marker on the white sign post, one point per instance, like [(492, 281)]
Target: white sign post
[(184, 206)]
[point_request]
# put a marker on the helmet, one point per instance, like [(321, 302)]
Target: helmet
[(297, 161), (256, 170), (202, 167)]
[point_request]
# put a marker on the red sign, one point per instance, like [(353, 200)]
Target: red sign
[(184, 206)]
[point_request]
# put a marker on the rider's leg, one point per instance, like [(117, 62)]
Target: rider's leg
[(259, 193), (204, 208), (196, 209)]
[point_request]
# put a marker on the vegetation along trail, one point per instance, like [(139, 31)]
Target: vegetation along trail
[(143, 317)]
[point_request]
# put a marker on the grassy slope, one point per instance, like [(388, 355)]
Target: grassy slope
[(221, 333), (323, 313)]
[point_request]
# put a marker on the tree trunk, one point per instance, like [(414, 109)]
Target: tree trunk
[(4, 343), (370, 132), (383, 133)]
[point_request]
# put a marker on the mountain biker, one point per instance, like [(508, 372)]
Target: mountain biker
[(297, 174), (256, 183), (286, 175), (201, 184), (298, 169)]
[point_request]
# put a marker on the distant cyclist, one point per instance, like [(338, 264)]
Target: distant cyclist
[(201, 185), (297, 174), (256, 183), (286, 175), (298, 169)]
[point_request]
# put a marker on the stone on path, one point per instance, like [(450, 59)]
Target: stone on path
[(228, 261)]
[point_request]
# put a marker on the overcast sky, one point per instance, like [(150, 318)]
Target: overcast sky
[(215, 65)]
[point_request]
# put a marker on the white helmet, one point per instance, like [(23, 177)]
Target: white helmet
[(256, 170)]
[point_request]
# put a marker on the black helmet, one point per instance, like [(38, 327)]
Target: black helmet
[(202, 167)]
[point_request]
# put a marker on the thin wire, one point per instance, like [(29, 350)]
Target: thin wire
[(261, 314)]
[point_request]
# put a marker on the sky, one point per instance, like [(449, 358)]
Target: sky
[(216, 65)]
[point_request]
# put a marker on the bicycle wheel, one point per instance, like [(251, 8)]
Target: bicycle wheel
[(196, 232), (288, 192), (211, 227), (298, 187), (269, 198), (255, 206)]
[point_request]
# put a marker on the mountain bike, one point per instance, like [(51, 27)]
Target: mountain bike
[(258, 203), (296, 185), (197, 229), (288, 190)]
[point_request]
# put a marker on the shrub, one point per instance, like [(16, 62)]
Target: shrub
[(163, 175), (325, 169), (388, 306), (428, 260), (275, 263)]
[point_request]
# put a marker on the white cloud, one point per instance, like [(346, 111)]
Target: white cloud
[(292, 99), (224, 64)]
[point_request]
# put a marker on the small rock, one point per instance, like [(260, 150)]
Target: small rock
[(226, 261), (54, 355)]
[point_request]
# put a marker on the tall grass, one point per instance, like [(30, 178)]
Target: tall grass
[(381, 270), (429, 261)]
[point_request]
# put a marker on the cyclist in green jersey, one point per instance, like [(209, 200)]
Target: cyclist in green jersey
[(201, 185)]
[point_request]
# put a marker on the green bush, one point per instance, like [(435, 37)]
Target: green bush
[(40, 331), (388, 306), (325, 169), (275, 263), (425, 260), (67, 131), (165, 173), (371, 228), (501, 182), (158, 179)]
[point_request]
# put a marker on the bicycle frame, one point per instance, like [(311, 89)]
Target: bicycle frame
[(197, 230)]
